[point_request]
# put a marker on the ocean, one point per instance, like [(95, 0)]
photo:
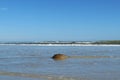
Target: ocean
[(24, 62)]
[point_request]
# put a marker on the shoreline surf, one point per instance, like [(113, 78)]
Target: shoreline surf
[(63, 44)]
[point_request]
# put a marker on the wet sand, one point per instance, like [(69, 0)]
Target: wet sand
[(35, 63)]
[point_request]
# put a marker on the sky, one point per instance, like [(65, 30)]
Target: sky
[(59, 20)]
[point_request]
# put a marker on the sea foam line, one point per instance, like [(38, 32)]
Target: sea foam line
[(64, 44)]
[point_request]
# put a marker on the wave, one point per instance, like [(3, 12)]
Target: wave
[(64, 44)]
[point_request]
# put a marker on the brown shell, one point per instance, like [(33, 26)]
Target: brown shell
[(59, 57)]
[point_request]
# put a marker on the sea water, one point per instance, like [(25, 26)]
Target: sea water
[(21, 62)]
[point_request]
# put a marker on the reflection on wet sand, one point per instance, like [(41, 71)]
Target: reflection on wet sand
[(90, 57), (17, 74)]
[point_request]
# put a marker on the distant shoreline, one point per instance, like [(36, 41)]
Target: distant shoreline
[(66, 43), (63, 44)]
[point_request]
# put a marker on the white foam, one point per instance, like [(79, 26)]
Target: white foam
[(64, 44)]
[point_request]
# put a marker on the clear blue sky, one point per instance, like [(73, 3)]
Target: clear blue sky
[(39, 20)]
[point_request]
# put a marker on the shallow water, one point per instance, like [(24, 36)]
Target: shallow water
[(35, 63)]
